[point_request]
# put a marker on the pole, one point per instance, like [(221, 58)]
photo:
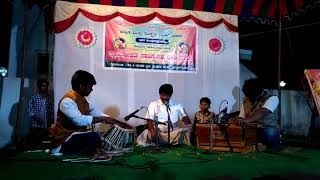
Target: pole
[(279, 59), (212, 121), (24, 48), (169, 125)]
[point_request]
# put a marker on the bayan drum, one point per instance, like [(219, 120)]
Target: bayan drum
[(117, 140)]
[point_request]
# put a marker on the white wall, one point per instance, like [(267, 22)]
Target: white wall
[(120, 92), (8, 108), (295, 113)]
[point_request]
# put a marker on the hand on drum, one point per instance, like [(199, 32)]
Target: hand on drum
[(124, 125), (110, 120)]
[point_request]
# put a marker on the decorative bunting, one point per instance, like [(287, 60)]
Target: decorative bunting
[(246, 9), (67, 12)]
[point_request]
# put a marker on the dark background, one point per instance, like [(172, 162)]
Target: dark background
[(5, 28), (300, 48)]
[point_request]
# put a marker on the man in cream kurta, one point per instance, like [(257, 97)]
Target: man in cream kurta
[(160, 110)]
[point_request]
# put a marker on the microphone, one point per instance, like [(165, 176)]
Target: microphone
[(221, 104), (223, 113), (167, 105), (132, 114), (169, 119)]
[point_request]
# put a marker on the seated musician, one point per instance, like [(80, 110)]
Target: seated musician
[(165, 109), (259, 107), (75, 114), (201, 117)]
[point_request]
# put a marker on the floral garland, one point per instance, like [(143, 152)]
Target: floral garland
[(85, 38)]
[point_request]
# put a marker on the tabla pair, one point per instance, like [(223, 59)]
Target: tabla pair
[(118, 140)]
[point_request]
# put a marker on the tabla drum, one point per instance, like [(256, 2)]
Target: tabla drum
[(117, 140)]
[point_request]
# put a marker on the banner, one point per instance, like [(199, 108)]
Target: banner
[(313, 76), (152, 46)]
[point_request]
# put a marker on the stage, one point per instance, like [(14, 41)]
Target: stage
[(184, 162)]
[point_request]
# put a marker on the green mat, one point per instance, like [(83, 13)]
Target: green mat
[(174, 163)]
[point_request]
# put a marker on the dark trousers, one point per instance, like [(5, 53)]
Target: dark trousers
[(84, 144), (269, 136), (35, 136)]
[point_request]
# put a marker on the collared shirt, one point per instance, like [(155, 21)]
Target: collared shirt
[(159, 110), (69, 108), (271, 104), (203, 118), (40, 110)]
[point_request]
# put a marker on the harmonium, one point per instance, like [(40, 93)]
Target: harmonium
[(227, 137)]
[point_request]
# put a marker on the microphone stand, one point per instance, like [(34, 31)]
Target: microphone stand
[(169, 125), (157, 150), (221, 104), (211, 151), (148, 119), (216, 119), (156, 122)]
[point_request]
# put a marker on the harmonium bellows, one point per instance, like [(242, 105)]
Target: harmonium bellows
[(227, 137)]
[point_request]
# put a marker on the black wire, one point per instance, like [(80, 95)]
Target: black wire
[(150, 162), (276, 30)]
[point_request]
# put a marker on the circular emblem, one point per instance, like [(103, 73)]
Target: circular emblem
[(85, 38), (120, 43), (183, 48), (216, 45)]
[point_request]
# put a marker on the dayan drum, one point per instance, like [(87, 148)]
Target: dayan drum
[(227, 137), (117, 139)]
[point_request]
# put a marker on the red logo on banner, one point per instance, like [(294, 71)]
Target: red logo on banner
[(216, 45)]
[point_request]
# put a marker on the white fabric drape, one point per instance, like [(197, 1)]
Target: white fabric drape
[(119, 92)]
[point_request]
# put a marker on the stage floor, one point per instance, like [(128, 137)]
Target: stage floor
[(182, 162)]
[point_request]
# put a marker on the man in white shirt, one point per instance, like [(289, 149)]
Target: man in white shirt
[(165, 111), (75, 114), (259, 107)]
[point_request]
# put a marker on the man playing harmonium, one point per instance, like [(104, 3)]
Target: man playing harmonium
[(166, 111), (75, 114), (259, 107)]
